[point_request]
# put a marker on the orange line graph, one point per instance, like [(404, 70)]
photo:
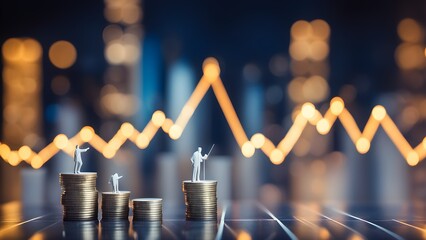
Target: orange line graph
[(308, 114)]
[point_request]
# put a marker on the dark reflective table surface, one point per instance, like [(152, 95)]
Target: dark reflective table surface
[(236, 220)]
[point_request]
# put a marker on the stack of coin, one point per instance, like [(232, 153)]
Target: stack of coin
[(200, 200), (115, 206), (147, 209), (79, 196)]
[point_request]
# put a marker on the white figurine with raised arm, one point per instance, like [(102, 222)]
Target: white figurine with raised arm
[(114, 180), (196, 160), (77, 158)]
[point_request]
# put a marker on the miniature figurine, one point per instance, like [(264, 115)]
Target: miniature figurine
[(196, 160), (114, 180), (77, 158)]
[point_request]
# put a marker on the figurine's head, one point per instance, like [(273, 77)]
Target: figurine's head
[(76, 146), (199, 149)]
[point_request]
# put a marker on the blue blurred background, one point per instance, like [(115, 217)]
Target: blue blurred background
[(70, 64)]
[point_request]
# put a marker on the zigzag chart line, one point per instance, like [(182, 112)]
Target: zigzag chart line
[(211, 79)]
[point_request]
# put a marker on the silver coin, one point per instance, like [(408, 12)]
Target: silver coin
[(68, 215), (205, 214), (127, 193), (118, 217), (147, 220), (79, 174), (199, 190), (199, 182), (81, 200), (80, 214), (148, 210), (198, 202), (213, 218), (81, 194), (202, 200), (80, 219), (115, 199), (147, 200), (147, 207), (114, 214), (208, 214), (212, 204), (200, 210), (123, 203), (77, 211), (114, 210), (81, 197), (201, 214), (77, 182), (199, 186), (112, 201), (147, 204), (115, 206), (85, 206), (200, 205), (147, 214)]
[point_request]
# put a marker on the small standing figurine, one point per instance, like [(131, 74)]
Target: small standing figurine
[(114, 180), (196, 160), (77, 158)]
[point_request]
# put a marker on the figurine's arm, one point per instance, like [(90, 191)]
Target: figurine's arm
[(205, 157), (120, 177), (85, 149), (192, 159)]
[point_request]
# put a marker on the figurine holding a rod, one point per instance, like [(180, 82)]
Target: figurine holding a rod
[(196, 160)]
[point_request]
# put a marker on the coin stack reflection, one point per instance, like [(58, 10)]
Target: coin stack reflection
[(79, 196), (114, 230), (200, 200), (115, 206), (147, 230), (147, 209)]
